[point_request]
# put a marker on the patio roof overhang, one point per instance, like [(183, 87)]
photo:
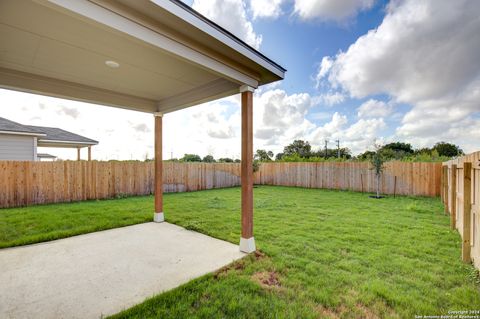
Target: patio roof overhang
[(63, 144), (154, 56), (169, 57)]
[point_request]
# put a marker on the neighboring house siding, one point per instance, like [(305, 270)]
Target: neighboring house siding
[(17, 148)]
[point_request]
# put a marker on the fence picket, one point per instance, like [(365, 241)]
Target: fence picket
[(24, 184)]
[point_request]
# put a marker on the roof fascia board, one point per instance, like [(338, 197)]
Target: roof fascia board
[(115, 21), (42, 142), (219, 34), (22, 133), (45, 156)]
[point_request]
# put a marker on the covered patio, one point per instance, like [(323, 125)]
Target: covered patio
[(154, 56), (105, 272)]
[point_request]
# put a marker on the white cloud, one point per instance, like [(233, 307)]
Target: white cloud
[(266, 8), (336, 10), (282, 110), (268, 87), (320, 116), (267, 133), (424, 53), (279, 118), (211, 128), (231, 15), (72, 112), (332, 128), (215, 122), (141, 127), (456, 121), (364, 131), (330, 98), (323, 70), (357, 137), (374, 108)]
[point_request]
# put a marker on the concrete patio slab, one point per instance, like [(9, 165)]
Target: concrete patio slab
[(105, 272)]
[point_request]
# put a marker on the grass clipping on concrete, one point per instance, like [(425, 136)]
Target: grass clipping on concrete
[(323, 254)]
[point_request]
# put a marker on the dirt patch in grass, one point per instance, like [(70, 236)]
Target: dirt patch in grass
[(222, 272), (326, 313), (369, 314), (341, 311), (267, 279), (259, 255), (238, 265)]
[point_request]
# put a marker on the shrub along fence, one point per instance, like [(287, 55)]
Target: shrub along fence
[(28, 183), (461, 196)]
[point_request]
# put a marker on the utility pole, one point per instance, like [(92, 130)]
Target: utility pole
[(338, 148), (326, 149)]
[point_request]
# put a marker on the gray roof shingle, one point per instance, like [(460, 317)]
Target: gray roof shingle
[(57, 134), (11, 126), (52, 133)]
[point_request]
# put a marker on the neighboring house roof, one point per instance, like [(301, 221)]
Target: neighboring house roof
[(45, 155), (47, 136), (7, 126), (58, 135)]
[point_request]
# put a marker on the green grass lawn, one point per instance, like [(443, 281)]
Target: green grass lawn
[(324, 254), (27, 225)]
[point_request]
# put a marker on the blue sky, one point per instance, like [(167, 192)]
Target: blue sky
[(361, 71), (299, 46)]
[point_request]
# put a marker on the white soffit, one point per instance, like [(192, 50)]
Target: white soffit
[(61, 46)]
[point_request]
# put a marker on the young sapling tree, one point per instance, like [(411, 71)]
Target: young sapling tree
[(377, 160)]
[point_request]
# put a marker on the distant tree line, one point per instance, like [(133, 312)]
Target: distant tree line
[(205, 159), (302, 151), (441, 151)]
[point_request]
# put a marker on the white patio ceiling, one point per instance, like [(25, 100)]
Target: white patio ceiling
[(169, 57)]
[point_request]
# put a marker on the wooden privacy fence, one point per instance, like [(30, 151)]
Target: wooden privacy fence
[(28, 183), (461, 196), (418, 179)]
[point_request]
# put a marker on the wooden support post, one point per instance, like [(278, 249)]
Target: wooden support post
[(467, 210), (453, 197), (89, 153), (78, 153), (247, 242), (158, 216), (445, 189)]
